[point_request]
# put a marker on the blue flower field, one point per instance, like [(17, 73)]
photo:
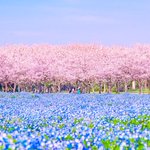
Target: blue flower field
[(74, 121)]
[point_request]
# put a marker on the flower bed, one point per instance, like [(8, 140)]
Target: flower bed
[(74, 121)]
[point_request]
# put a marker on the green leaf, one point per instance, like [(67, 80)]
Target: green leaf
[(77, 121), (94, 147), (2, 147), (14, 141), (126, 147), (148, 143), (9, 136), (46, 137), (91, 125), (85, 143), (73, 130), (59, 118), (116, 147), (69, 137), (140, 147), (61, 126), (132, 140), (106, 143)]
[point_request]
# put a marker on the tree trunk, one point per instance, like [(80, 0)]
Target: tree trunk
[(118, 87), (54, 89), (39, 88), (46, 89), (19, 89), (88, 88), (3, 89), (14, 89), (59, 87), (6, 87), (104, 88), (145, 85), (140, 87), (109, 87), (133, 85), (125, 87), (92, 87), (148, 86), (50, 89), (100, 87)]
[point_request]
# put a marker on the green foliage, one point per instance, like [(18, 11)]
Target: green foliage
[(14, 141), (85, 143), (94, 147), (69, 137), (114, 89), (148, 143), (60, 118), (126, 147), (146, 125), (46, 137), (91, 125), (96, 87), (10, 129), (77, 121), (79, 136), (54, 124), (101, 128), (30, 126), (121, 128), (140, 147), (73, 130), (137, 91), (143, 120), (116, 121), (112, 145), (44, 124), (2, 147), (140, 144), (48, 83), (13, 96), (106, 143), (91, 139), (132, 140), (61, 126)]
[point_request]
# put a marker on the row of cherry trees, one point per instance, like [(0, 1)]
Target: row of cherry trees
[(47, 68)]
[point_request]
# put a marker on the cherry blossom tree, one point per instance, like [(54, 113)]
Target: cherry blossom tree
[(46, 68)]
